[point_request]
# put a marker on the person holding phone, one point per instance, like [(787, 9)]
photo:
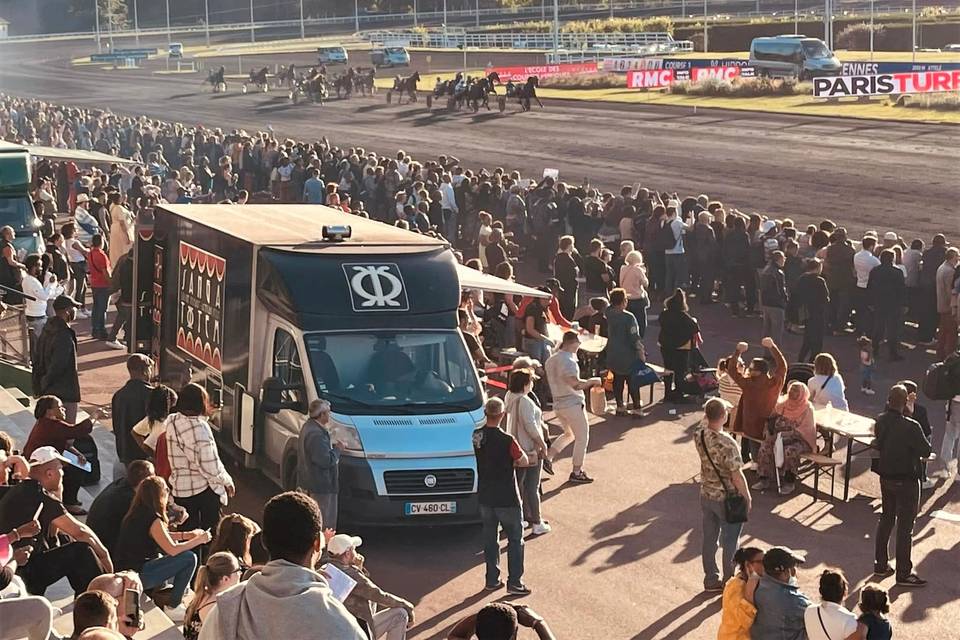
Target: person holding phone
[(53, 430), (500, 621), (146, 544), (126, 587)]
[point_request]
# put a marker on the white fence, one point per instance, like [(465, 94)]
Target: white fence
[(603, 43)]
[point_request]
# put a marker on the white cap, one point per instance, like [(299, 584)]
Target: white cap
[(891, 235), (341, 543), (82, 197), (43, 455), (767, 226)]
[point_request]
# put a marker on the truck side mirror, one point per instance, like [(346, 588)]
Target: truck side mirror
[(272, 400)]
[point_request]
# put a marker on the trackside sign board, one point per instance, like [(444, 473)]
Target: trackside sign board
[(887, 84), (658, 78)]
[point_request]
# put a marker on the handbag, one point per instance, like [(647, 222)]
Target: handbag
[(734, 504), (643, 375)]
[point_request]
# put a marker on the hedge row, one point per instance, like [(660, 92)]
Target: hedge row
[(742, 88)]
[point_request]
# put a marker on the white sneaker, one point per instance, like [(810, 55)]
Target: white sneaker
[(113, 344), (928, 484), (176, 614), (525, 524), (541, 528), (869, 392)]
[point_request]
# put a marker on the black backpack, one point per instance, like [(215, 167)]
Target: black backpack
[(665, 239), (942, 380)]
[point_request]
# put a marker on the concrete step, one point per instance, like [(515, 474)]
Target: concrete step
[(23, 398), (157, 626)]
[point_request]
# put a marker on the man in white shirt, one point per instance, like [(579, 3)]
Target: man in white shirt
[(36, 309), (864, 261), (569, 403), (676, 258), (830, 620), (448, 202)]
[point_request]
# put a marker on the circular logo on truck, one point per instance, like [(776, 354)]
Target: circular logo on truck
[(430, 480)]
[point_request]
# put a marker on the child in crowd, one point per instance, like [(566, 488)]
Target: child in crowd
[(874, 605), (866, 365), (729, 390)]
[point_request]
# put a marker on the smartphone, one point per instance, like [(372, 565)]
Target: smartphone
[(131, 608)]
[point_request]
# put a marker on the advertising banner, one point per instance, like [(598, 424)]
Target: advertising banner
[(886, 84), (694, 63), (650, 79), (622, 65), (659, 78), (720, 73), (875, 68), (200, 305), (520, 74)]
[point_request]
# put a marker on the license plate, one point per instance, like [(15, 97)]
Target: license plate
[(429, 508)]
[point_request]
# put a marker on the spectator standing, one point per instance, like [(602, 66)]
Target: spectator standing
[(77, 257), (37, 294), (121, 227), (318, 460), (887, 289), (146, 544), (841, 277), (826, 386), (55, 360), (386, 615), (288, 599), (811, 299), (875, 605), (761, 389), (569, 403), (728, 389), (773, 297), (902, 444), (781, 606), (122, 278), (80, 560), (864, 261), (128, 408), (830, 619), (624, 350), (10, 268), (950, 446), (199, 482), (927, 316), (220, 572), (946, 305), (679, 332), (633, 279), (675, 256), (100, 276), (51, 430), (525, 425), (498, 454), (737, 610), (535, 342), (720, 476)]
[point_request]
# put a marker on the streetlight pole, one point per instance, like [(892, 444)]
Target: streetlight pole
[(303, 32), (871, 30), (136, 23), (796, 16), (414, 14), (445, 43), (611, 8), (110, 27), (478, 13), (168, 24), (706, 20), (356, 16), (253, 37), (206, 19), (913, 32), (96, 22), (556, 27)]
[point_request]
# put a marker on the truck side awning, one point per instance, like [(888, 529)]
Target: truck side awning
[(76, 155), (473, 279)]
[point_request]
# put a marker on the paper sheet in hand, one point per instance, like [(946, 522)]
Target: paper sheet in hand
[(340, 583), (551, 173), (75, 461)]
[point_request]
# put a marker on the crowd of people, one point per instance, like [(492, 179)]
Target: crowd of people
[(611, 265)]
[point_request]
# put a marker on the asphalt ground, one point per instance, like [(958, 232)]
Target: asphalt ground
[(623, 559), (864, 174)]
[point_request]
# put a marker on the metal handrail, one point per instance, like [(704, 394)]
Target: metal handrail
[(522, 40), (14, 348)]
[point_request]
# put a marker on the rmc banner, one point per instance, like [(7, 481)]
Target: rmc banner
[(886, 84)]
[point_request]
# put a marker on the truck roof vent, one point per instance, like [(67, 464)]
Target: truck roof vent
[(393, 422), (437, 421)]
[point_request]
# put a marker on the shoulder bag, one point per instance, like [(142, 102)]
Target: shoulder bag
[(823, 626), (734, 504), (822, 387), (532, 457)]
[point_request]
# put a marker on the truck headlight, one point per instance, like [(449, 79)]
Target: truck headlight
[(349, 436)]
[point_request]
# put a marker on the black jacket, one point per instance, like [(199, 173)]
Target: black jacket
[(55, 362), (676, 329), (902, 444), (887, 287), (811, 293), (773, 288), (128, 407)]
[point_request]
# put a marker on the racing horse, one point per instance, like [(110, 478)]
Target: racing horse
[(525, 92), (344, 83), (364, 81), (478, 92), (286, 75), (257, 79), (216, 81), (405, 85)]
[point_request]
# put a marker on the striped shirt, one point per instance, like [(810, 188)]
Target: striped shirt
[(731, 392), (194, 461)]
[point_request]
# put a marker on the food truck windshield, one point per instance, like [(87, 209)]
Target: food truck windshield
[(375, 372)]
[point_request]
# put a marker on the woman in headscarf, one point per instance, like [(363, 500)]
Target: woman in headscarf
[(793, 420)]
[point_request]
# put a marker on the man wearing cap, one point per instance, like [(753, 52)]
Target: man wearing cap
[(55, 358), (498, 454), (318, 459), (385, 614), (780, 603), (902, 445), (81, 560), (569, 403)]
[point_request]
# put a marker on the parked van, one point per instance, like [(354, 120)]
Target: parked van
[(175, 50), (331, 55), (390, 57), (792, 56), (272, 306), (16, 205)]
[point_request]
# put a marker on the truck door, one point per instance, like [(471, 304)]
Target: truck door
[(284, 402)]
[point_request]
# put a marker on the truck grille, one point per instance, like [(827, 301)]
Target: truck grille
[(413, 482)]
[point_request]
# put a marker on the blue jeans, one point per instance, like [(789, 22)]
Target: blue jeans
[(676, 273), (639, 309), (536, 349), (717, 531), (179, 568), (511, 520), (98, 319)]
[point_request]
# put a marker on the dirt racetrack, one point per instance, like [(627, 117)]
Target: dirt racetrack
[(863, 174)]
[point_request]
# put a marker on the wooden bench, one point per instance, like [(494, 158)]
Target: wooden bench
[(662, 373), (817, 463)]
